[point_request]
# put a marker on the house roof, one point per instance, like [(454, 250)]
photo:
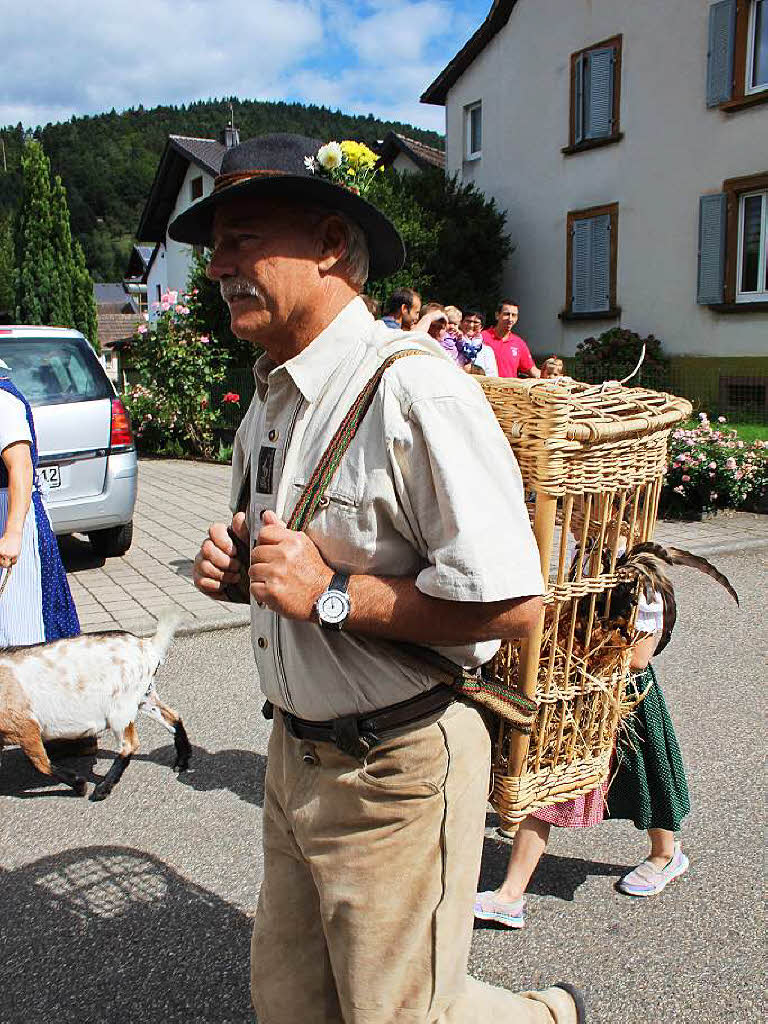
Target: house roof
[(495, 20), (115, 328), (139, 261), (111, 297), (180, 151), (422, 155)]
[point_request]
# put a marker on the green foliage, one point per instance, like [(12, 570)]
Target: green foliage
[(454, 237), (61, 241), (52, 283), (710, 467), (7, 283), (615, 354), (84, 312), (108, 162), (37, 283), (210, 315), (177, 370)]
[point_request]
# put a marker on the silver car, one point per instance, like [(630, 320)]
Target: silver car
[(88, 467)]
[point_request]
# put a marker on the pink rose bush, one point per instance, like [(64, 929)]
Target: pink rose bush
[(710, 468), (177, 367)]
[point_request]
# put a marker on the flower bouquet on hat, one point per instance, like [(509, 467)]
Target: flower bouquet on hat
[(350, 164)]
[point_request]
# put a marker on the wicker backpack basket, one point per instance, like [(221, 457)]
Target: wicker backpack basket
[(592, 460)]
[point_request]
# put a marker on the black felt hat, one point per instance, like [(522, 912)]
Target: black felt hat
[(273, 167)]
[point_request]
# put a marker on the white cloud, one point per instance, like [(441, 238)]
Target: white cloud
[(64, 57)]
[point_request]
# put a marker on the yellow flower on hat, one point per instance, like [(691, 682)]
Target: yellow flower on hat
[(358, 155), (330, 156)]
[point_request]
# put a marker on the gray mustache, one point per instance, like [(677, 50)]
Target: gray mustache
[(237, 287)]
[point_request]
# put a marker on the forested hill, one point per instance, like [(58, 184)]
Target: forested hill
[(107, 162)]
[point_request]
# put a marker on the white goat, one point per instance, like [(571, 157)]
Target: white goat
[(77, 688)]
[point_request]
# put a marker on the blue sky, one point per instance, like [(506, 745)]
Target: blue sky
[(64, 57)]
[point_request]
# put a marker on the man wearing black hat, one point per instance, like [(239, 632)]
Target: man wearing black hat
[(373, 525)]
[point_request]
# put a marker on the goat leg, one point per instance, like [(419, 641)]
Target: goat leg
[(31, 742), (128, 747)]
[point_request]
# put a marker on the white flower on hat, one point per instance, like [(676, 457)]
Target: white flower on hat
[(309, 163), (330, 156)]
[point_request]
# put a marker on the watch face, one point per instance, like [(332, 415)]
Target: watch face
[(333, 606)]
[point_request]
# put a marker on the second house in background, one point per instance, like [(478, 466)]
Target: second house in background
[(626, 142)]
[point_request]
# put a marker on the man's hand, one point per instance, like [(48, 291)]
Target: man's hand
[(287, 571), (216, 564)]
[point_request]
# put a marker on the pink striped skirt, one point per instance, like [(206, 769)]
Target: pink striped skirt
[(581, 812)]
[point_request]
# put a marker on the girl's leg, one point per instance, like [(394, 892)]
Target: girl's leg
[(528, 847), (662, 846)]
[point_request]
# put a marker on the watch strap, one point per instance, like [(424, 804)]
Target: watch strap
[(339, 581)]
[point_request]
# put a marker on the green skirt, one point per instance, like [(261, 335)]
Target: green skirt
[(649, 786)]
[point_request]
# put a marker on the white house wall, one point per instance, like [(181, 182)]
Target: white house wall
[(178, 256), (674, 150)]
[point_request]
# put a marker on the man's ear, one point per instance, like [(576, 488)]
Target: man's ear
[(332, 243)]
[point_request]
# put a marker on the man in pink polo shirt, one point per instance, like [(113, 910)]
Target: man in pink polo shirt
[(512, 354)]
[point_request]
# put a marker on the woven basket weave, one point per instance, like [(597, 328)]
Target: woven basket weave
[(592, 460)]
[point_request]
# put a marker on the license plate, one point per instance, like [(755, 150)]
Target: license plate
[(50, 476)]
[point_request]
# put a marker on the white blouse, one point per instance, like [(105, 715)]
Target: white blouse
[(13, 421)]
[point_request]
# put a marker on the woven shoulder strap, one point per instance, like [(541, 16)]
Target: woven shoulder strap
[(339, 443)]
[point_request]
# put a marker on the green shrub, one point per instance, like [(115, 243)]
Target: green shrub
[(615, 353), (711, 468)]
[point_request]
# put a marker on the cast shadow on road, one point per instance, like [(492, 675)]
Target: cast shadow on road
[(182, 567), (240, 771), (77, 554), (555, 876), (107, 934)]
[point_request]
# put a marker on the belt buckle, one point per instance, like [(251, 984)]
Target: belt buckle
[(349, 740)]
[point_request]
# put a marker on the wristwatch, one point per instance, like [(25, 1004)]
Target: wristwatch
[(333, 604)]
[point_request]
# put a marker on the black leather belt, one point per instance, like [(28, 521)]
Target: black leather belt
[(356, 735)]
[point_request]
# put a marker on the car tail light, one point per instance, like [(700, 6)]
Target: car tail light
[(121, 435)]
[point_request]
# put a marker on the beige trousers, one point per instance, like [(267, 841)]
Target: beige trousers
[(370, 870)]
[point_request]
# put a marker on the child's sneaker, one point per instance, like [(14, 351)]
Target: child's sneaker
[(488, 907), (647, 880)]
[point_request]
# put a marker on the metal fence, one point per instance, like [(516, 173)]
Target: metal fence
[(742, 399)]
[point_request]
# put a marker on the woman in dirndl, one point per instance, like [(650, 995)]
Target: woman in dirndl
[(35, 602), (648, 788)]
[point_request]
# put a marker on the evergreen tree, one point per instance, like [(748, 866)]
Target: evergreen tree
[(83, 302), (61, 239), (53, 285), (37, 284), (7, 290)]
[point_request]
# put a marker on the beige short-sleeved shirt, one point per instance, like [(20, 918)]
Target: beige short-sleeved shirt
[(429, 488)]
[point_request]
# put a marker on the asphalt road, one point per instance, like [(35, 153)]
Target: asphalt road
[(137, 909)]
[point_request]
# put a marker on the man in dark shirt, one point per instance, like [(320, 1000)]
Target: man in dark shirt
[(402, 310)]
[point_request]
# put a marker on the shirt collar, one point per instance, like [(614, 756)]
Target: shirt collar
[(316, 364)]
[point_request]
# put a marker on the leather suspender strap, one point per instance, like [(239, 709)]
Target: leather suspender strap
[(324, 472)]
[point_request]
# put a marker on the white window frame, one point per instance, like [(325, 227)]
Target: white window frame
[(469, 153), (758, 296), (749, 89)]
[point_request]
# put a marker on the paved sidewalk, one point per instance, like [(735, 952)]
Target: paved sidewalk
[(177, 501)]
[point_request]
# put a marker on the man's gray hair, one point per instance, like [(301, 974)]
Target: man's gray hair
[(356, 259)]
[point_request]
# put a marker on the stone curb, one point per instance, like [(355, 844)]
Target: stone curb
[(243, 619)]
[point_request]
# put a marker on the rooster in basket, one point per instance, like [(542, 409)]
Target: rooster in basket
[(645, 564)]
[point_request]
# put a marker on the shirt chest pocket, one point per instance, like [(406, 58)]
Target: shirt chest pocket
[(335, 500)]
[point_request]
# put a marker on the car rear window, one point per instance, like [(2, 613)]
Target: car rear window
[(50, 371)]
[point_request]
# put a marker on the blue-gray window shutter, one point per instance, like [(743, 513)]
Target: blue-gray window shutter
[(578, 100), (598, 94), (591, 264), (712, 214), (722, 36)]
